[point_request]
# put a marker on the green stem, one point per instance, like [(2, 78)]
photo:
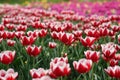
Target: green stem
[(84, 77), (78, 78), (92, 73), (63, 49), (33, 58), (3, 45), (17, 50)]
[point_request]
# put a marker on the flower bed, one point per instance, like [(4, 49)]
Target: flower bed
[(39, 44)]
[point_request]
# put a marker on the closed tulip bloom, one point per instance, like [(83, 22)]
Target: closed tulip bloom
[(66, 38), (113, 71), (10, 35), (10, 26), (19, 34), (8, 75), (33, 33), (33, 50), (36, 24), (42, 33), (37, 73), (93, 55), (21, 28), (77, 34), (3, 34), (88, 41), (113, 62), (57, 27), (104, 31), (108, 50), (115, 28), (54, 35), (6, 57), (59, 67), (105, 58), (27, 40), (83, 65), (10, 42), (2, 27), (52, 44), (111, 33), (92, 33)]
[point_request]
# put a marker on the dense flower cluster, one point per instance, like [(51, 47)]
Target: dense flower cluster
[(63, 44)]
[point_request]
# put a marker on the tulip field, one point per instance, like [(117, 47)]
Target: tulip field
[(66, 41)]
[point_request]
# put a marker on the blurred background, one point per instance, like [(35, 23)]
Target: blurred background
[(46, 1)]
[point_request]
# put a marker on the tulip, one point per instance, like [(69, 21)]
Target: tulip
[(10, 35), (105, 58), (19, 34), (59, 67), (42, 33), (111, 33), (55, 35), (33, 50), (83, 65), (10, 26), (52, 44), (6, 57), (2, 27), (8, 75), (37, 73), (104, 31), (92, 33), (113, 71), (33, 33), (66, 38), (57, 27), (5, 21), (108, 50), (68, 26), (27, 40), (21, 28), (115, 28), (3, 34), (95, 23), (113, 62), (10, 42), (38, 25), (88, 41), (93, 55), (77, 34)]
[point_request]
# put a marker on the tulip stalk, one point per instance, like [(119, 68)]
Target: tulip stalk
[(92, 72), (64, 49), (84, 75), (3, 45)]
